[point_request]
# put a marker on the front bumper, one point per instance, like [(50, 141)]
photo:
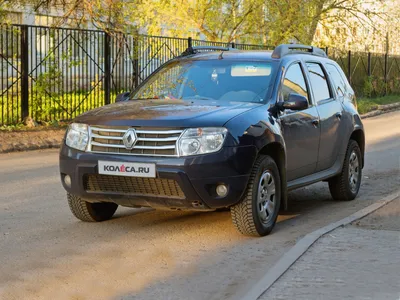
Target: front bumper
[(197, 177)]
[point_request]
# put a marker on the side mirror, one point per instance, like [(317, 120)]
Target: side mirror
[(122, 97), (295, 102)]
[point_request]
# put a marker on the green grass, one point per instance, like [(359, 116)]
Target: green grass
[(369, 104), (49, 109)]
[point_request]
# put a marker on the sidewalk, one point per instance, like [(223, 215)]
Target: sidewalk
[(359, 261)]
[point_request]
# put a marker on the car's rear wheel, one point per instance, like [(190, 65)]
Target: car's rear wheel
[(90, 212), (346, 185), (256, 214)]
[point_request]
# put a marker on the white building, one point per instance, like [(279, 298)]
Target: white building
[(43, 16), (379, 33)]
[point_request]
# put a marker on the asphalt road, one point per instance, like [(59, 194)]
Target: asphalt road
[(45, 253)]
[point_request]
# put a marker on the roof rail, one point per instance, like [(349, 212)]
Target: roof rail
[(286, 49), (197, 49)]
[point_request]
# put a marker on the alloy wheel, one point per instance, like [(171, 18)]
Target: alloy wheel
[(354, 170), (266, 197)]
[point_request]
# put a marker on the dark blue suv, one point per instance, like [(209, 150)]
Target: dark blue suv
[(219, 128)]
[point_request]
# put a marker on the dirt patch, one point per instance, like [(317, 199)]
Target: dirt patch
[(34, 139)]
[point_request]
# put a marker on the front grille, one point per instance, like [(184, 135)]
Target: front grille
[(159, 187), (150, 142)]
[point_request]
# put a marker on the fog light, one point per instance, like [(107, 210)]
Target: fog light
[(67, 180), (221, 190)]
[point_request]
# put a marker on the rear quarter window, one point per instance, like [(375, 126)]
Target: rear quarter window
[(337, 80), (349, 89)]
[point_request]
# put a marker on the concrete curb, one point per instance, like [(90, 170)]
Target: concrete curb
[(381, 109), (31, 147), (24, 140), (290, 257)]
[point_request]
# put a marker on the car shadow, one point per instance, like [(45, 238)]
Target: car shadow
[(301, 201)]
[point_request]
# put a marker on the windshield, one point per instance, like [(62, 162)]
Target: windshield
[(222, 80)]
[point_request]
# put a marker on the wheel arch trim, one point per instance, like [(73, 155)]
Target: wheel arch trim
[(277, 151), (358, 135)]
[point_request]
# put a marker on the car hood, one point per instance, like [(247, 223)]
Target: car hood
[(165, 113)]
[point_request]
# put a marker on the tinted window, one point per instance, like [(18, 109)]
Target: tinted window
[(338, 81), (318, 82), (294, 82)]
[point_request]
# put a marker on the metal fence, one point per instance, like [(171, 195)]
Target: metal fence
[(57, 73), (370, 74)]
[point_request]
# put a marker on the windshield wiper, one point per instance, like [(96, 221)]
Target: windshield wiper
[(149, 98), (197, 98)]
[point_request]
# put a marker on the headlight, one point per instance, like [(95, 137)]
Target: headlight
[(77, 136), (201, 140)]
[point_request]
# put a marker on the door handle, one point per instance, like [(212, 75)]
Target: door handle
[(315, 122), (339, 115)]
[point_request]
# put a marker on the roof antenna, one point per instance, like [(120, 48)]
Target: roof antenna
[(220, 56)]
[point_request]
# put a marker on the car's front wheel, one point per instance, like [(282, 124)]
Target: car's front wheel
[(346, 185), (256, 214), (90, 212)]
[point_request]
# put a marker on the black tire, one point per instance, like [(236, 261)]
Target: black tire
[(340, 186), (245, 215), (91, 212)]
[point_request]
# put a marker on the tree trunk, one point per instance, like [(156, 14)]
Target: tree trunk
[(314, 23)]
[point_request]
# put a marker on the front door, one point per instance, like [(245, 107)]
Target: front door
[(301, 129)]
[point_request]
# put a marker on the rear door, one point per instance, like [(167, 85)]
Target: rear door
[(300, 128), (330, 111)]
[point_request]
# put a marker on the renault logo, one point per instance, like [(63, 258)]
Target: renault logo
[(129, 138)]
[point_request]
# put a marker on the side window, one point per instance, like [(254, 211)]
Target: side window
[(339, 84), (318, 82), (294, 82)]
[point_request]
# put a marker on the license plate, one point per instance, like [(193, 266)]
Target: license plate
[(127, 169)]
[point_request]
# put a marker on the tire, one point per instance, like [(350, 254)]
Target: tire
[(91, 212), (345, 186), (248, 215)]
